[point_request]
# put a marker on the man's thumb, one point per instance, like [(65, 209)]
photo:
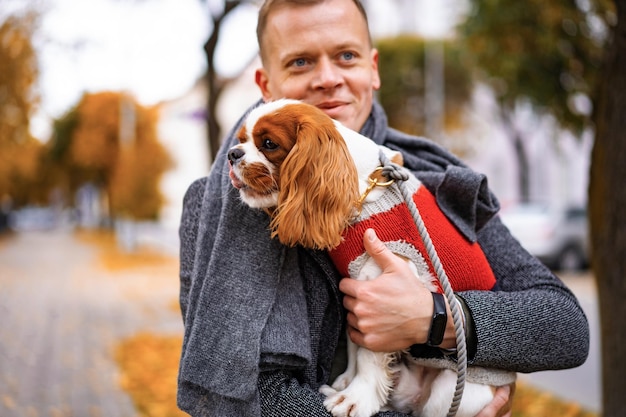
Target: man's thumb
[(377, 249)]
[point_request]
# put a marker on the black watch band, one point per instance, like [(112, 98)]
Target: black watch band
[(439, 321)]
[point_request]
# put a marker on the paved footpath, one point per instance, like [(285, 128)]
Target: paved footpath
[(61, 316)]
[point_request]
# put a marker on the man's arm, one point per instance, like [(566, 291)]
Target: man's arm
[(534, 322), (393, 311)]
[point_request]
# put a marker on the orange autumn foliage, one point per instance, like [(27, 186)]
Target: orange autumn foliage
[(133, 189), (95, 143), (128, 169), (19, 151)]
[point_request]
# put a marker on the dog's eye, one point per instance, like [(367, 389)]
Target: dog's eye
[(269, 144)]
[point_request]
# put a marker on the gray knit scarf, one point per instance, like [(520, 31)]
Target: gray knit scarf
[(250, 313)]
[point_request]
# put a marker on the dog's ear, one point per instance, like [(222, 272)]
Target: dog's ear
[(319, 186), (394, 156), (397, 158)]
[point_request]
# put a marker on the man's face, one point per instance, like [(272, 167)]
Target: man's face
[(321, 55)]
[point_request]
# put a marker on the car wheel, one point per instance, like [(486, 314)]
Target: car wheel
[(571, 259)]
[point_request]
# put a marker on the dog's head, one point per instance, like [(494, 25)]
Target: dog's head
[(292, 160)]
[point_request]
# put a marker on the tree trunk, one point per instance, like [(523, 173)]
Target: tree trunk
[(214, 90), (214, 83), (607, 200), (214, 129), (522, 166), (517, 141)]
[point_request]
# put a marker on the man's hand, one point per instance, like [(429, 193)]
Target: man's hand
[(501, 404), (393, 311)]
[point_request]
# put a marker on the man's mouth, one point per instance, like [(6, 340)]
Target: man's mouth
[(332, 108), (330, 105)]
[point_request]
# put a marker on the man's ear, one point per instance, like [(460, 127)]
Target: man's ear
[(375, 74), (262, 80)]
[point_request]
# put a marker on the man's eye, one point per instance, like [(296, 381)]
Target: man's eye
[(347, 56), (269, 145), (300, 62)]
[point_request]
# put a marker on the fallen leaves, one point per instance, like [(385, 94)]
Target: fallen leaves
[(531, 402), (149, 369), (114, 259), (8, 402)]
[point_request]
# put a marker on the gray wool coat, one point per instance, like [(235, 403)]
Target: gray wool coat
[(263, 321)]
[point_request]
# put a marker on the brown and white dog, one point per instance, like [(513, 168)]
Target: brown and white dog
[(314, 177)]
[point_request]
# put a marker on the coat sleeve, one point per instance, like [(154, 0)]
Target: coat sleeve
[(532, 322), (282, 396)]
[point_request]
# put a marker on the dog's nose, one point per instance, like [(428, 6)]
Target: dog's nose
[(235, 154)]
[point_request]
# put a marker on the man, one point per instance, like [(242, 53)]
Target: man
[(263, 322)]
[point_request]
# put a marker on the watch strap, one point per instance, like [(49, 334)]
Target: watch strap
[(439, 320)]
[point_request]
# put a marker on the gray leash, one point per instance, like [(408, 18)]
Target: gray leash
[(395, 172)]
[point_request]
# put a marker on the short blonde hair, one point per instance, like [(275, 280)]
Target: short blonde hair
[(271, 5)]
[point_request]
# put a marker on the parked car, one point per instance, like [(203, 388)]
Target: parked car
[(33, 219), (558, 237)]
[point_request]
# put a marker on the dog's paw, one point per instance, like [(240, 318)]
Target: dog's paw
[(342, 381), (357, 400), (327, 390)]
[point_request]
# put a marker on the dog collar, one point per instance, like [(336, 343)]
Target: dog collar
[(374, 180)]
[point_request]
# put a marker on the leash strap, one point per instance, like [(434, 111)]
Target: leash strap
[(398, 173)]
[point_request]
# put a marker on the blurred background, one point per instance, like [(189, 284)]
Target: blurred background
[(109, 109)]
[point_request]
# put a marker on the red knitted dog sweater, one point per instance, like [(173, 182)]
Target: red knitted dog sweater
[(464, 262)]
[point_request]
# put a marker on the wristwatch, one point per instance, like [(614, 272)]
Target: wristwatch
[(439, 321)]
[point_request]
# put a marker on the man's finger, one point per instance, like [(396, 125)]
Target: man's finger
[(500, 406), (383, 257)]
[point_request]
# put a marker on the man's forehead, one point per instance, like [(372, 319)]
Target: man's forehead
[(301, 36)]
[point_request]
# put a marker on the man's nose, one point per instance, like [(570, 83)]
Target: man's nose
[(328, 75)]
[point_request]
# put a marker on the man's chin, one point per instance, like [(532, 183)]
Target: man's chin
[(344, 115)]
